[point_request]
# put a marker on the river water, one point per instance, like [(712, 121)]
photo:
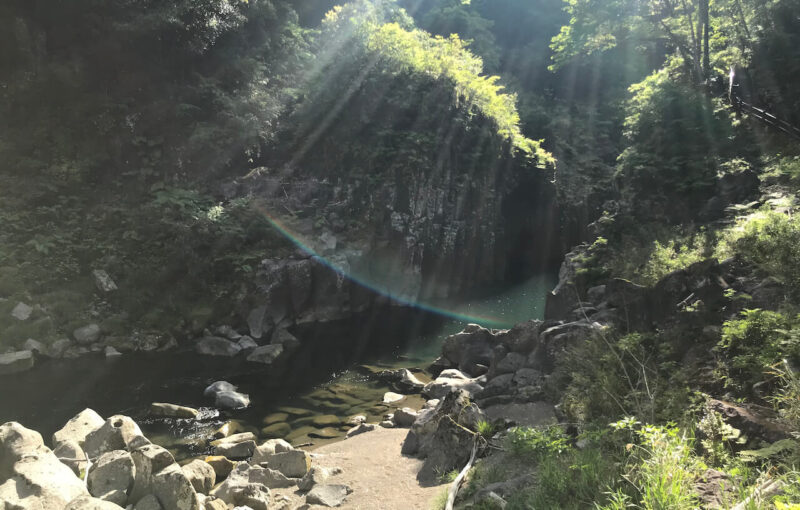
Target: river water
[(329, 382)]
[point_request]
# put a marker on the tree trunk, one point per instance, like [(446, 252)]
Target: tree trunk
[(704, 21)]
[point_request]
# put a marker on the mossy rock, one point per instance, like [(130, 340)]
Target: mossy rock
[(275, 418), (115, 325), (38, 329), (325, 433), (277, 430), (294, 411)]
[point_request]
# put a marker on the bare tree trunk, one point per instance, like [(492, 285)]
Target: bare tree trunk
[(704, 21)]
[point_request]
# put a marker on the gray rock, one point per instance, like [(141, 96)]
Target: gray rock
[(172, 410), (252, 495), (201, 475), (59, 347), (286, 339), (356, 420), (316, 476), (117, 433), (111, 477), (148, 502), (72, 455), (270, 478), (173, 490), (293, 464), (218, 387), (328, 495), (451, 380), (103, 281), (234, 438), (268, 448), (404, 417), (14, 362), (217, 346), (401, 380), (111, 352), (255, 321), (240, 450), (16, 442), (79, 427), (527, 377), (34, 346), (87, 335), (39, 481), (75, 351), (387, 424), (22, 312), (266, 354), (512, 362), (90, 503), (470, 348), (148, 460), (231, 400), (247, 343), (390, 397), (360, 429), (244, 475), (228, 332)]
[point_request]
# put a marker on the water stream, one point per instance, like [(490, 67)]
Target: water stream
[(330, 381)]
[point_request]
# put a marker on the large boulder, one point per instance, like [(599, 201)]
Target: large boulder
[(111, 477), (148, 461), (441, 436), (328, 495), (90, 503), (235, 450), (316, 476), (79, 427), (293, 464), (451, 380), (173, 490), (218, 387), (13, 362), (268, 448), (244, 480), (72, 455), (217, 346), (39, 481), (17, 442), (87, 335), (471, 349), (119, 432)]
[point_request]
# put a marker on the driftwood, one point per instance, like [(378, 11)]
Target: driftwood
[(763, 492), (451, 494)]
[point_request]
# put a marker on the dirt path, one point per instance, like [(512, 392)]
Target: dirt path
[(381, 478)]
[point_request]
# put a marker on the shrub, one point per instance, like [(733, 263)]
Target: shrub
[(754, 343)]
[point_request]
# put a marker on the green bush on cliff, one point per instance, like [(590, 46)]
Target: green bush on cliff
[(754, 343), (771, 241)]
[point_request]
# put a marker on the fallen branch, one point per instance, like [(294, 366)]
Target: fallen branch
[(451, 494), (762, 493)]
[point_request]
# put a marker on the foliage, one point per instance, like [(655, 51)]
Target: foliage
[(539, 442), (770, 241), (661, 466), (675, 138), (754, 343)]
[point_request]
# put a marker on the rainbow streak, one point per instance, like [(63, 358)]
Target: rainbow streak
[(490, 322)]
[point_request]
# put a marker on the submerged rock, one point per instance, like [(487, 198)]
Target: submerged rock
[(231, 400), (172, 410), (218, 387)]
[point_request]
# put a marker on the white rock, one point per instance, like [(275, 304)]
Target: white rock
[(87, 335), (217, 346), (78, 427), (391, 397), (103, 281), (22, 312), (218, 387)]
